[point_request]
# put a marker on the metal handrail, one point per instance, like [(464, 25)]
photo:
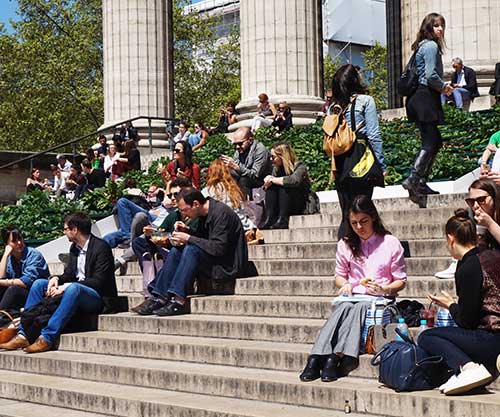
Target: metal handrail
[(169, 122)]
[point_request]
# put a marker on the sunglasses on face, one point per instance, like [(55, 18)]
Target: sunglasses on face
[(178, 151), (281, 108), (238, 144), (170, 195), (479, 200)]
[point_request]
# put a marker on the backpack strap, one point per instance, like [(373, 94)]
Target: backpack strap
[(6, 313)]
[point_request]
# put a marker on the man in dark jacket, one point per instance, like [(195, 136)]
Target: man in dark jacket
[(217, 245), (464, 83), (88, 277)]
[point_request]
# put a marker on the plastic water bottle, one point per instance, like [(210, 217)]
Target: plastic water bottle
[(422, 328), (403, 328)]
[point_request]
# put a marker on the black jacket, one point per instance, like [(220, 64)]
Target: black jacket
[(470, 79), (495, 87), (99, 267)]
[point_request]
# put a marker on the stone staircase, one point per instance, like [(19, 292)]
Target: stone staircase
[(239, 355)]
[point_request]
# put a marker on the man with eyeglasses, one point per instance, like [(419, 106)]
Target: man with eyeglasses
[(142, 218), (283, 119), (218, 245), (87, 279), (251, 161)]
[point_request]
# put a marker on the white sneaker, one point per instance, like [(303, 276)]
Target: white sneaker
[(468, 380), (449, 382), (448, 273), (498, 363)]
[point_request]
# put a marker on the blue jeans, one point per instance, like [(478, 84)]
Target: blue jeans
[(459, 95), (126, 212), (179, 270), (459, 346), (76, 297)]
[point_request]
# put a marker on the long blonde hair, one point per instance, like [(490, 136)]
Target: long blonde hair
[(287, 155), (220, 180)]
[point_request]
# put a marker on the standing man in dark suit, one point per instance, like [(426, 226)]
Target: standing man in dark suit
[(88, 277), (464, 84)]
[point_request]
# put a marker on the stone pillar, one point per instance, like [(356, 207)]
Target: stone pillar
[(394, 61), (138, 63), (472, 32), (281, 55)]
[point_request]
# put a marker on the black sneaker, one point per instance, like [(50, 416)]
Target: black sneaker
[(173, 308), (151, 306)]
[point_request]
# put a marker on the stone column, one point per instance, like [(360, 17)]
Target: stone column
[(281, 55), (138, 63), (472, 33)]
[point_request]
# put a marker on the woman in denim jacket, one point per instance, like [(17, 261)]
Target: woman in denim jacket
[(424, 106), (345, 86)]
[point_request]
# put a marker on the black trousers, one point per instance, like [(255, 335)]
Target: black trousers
[(430, 137), (246, 184), (346, 192), (284, 201), (459, 346), (13, 297)]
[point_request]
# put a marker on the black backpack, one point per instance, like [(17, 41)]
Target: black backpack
[(408, 82), (35, 318)]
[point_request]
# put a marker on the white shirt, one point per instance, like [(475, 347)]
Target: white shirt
[(80, 264), (461, 78), (66, 167)]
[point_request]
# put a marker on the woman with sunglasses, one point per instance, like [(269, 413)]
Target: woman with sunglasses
[(369, 261), (283, 119), (199, 137), (183, 164), (286, 188), (471, 349)]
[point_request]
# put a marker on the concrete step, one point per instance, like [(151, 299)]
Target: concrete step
[(329, 233), (243, 353), (114, 399), (286, 330), (325, 286), (10, 408), (272, 386), (428, 247), (404, 203), (389, 217), (316, 267)]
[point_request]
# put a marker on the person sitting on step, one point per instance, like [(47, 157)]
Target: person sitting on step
[(286, 188), (20, 266), (218, 245), (484, 201), (145, 248), (369, 261), (476, 312), (88, 277), (250, 162)]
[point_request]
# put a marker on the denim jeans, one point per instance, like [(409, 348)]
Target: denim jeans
[(179, 270), (126, 212), (76, 297), (459, 346), (459, 95)]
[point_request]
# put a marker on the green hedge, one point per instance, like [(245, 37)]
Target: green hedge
[(465, 134)]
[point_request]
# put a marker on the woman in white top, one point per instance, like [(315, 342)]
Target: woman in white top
[(110, 159)]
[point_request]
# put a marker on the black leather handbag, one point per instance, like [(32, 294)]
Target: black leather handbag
[(403, 366)]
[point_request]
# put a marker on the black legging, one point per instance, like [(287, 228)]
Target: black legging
[(346, 193), (430, 137), (284, 201), (13, 297)]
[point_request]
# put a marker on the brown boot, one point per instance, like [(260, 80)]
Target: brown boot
[(40, 345), (7, 334), (17, 342)]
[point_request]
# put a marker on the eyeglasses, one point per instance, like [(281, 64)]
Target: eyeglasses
[(281, 108), (178, 151), (66, 228), (175, 195), (238, 144), (479, 200)]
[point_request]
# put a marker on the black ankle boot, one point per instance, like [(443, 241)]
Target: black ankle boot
[(413, 184), (281, 223), (330, 369), (268, 223), (313, 368)]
